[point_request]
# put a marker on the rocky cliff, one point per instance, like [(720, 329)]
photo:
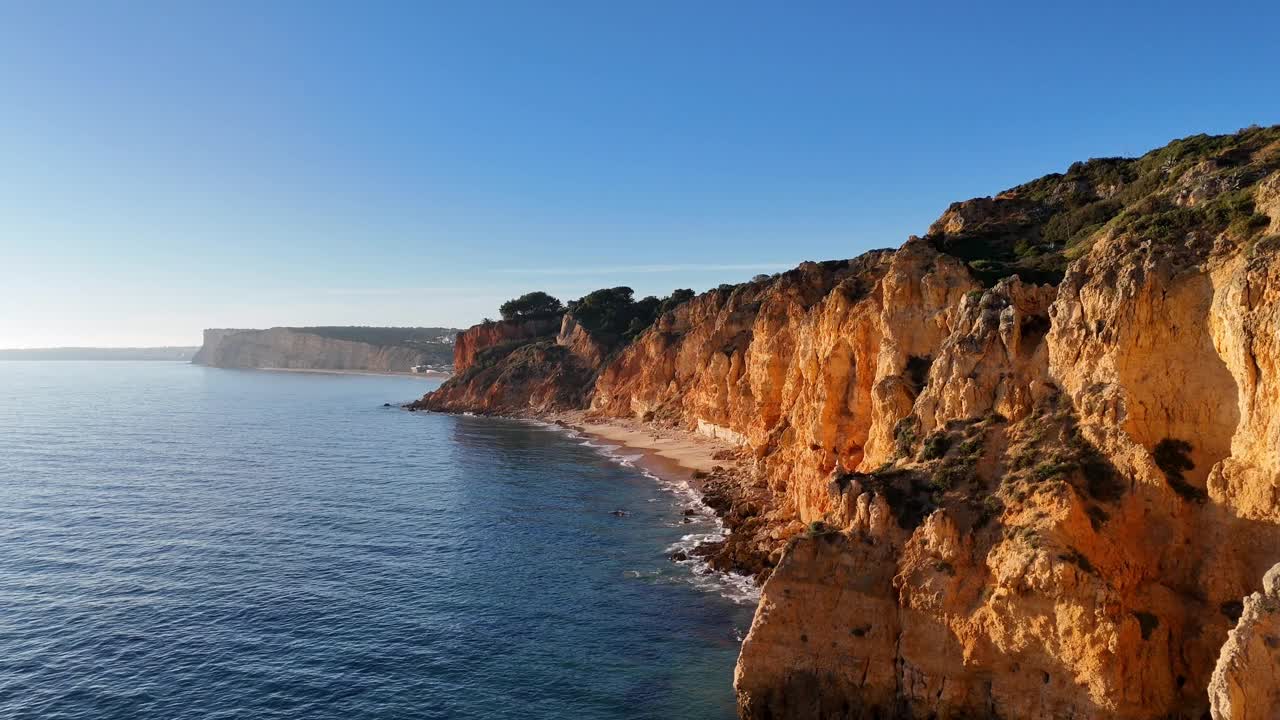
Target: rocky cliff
[(389, 349), (1024, 466), (519, 367), (486, 335), (1246, 680)]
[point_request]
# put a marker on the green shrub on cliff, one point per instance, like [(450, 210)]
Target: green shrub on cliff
[(935, 446), (607, 313), (1198, 186), (675, 299)]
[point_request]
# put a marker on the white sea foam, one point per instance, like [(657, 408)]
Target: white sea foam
[(739, 588)]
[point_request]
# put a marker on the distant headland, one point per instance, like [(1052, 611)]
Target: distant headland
[(418, 350)]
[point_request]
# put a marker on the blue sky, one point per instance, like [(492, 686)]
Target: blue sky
[(169, 166)]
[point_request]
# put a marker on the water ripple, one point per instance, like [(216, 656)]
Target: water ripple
[(178, 542)]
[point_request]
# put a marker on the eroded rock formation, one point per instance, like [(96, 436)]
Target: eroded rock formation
[(1246, 680), (474, 340), (1023, 467)]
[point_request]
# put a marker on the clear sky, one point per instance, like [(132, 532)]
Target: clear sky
[(169, 166)]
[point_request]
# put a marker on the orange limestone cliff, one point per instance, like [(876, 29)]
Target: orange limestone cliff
[(487, 335), (1025, 466), (1246, 680), (519, 367)]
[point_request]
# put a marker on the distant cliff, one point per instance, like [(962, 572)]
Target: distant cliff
[(1023, 467), (329, 348)]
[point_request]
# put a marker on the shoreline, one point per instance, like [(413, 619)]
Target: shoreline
[(693, 454), (751, 526), (712, 471), (430, 375), (694, 468)]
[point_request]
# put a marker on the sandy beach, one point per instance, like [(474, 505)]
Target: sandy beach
[(432, 375), (672, 448)]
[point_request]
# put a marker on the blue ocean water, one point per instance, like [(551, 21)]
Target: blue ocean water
[(185, 542)]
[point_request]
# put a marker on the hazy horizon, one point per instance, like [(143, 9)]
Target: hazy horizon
[(171, 169)]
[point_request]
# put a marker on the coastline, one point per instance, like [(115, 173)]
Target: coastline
[(693, 454), (749, 530), (752, 523), (430, 375), (703, 473)]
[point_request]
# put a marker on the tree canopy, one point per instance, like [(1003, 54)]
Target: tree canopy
[(536, 304), (614, 314), (607, 312)]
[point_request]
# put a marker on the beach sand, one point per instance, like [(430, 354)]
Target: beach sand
[(664, 448), (423, 375)]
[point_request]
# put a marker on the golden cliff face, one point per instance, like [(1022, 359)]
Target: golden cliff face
[(514, 368), (1081, 550), (1246, 680), (797, 368), (481, 337), (1037, 451), (519, 368)]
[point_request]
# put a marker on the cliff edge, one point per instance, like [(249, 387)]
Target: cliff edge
[(1024, 466)]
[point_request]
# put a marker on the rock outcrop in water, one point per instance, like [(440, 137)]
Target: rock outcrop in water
[(1025, 466), (328, 348)]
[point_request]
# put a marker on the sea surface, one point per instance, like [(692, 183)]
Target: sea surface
[(185, 542)]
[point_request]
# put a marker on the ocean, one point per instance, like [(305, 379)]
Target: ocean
[(186, 542)]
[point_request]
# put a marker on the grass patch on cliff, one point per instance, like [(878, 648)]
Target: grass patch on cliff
[(906, 433), (908, 496), (1157, 220), (990, 508), (1052, 448), (951, 473), (935, 446), (1072, 226)]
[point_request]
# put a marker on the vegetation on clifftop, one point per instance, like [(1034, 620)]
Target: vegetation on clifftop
[(531, 306), (613, 314), (435, 343), (1201, 188), (1201, 184)]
